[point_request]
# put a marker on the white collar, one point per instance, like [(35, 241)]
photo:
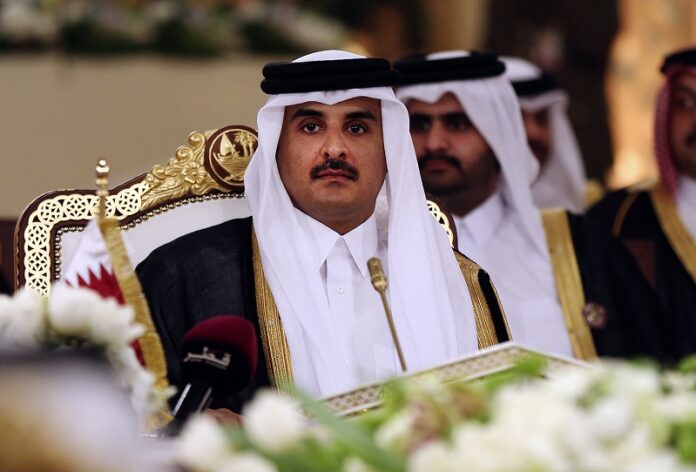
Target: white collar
[(482, 222), (362, 241)]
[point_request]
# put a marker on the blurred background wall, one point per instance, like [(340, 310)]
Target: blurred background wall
[(128, 80)]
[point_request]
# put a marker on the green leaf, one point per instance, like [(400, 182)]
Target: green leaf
[(685, 441), (688, 364), (357, 442)]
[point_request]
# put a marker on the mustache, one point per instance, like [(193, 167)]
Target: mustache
[(424, 159), (335, 164)]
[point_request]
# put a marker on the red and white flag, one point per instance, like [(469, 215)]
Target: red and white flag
[(91, 268), (91, 265)]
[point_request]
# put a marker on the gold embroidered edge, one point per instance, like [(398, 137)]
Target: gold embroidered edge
[(674, 229), (502, 311), (633, 193), (568, 281), (485, 331), (442, 218), (622, 213), (273, 340)]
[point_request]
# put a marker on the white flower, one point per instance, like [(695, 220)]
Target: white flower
[(7, 310), (632, 381), (395, 433), (146, 397), (610, 419), (680, 382), (273, 422), (247, 462), (30, 321), (203, 446), (25, 327), (433, 457), (113, 325), (677, 406), (70, 310), (569, 384)]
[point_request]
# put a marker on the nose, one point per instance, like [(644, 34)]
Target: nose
[(334, 145), (437, 139)]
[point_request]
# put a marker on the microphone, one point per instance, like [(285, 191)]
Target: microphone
[(379, 283), (219, 357)]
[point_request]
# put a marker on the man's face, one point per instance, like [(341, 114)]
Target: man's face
[(682, 119), (331, 159), (536, 124), (452, 155)]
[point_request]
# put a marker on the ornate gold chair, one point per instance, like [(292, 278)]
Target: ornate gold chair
[(202, 185)]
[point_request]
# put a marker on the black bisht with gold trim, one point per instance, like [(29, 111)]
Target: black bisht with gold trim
[(218, 270)]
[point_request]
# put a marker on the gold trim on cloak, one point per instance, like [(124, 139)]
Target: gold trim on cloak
[(273, 339), (672, 225), (568, 281), (485, 329), (275, 344)]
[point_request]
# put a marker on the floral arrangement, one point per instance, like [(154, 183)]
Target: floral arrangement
[(614, 417), (79, 318), (172, 27)]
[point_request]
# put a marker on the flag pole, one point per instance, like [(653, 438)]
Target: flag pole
[(150, 342)]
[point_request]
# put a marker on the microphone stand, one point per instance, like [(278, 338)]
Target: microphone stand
[(379, 282)]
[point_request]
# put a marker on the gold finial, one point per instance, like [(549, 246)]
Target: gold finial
[(102, 181), (379, 282)]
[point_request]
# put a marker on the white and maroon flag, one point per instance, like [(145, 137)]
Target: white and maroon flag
[(91, 265), (91, 268)]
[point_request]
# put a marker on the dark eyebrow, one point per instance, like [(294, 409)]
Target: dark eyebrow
[(361, 115), (420, 116), (306, 112)]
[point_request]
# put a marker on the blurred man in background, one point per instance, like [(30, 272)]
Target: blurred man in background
[(561, 181), (565, 288), (656, 221)]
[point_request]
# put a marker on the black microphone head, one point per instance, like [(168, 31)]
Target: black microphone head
[(221, 350)]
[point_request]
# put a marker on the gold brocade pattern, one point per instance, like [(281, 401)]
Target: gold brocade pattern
[(441, 217), (275, 344), (485, 330), (38, 266), (183, 175), (568, 281), (678, 236)]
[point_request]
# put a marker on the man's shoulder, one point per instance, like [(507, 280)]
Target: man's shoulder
[(621, 206), (231, 237)]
